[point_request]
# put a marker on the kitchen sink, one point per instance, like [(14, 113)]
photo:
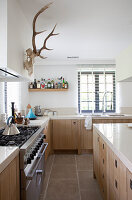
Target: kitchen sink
[(116, 115)]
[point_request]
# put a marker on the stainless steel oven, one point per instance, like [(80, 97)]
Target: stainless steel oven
[(32, 167)]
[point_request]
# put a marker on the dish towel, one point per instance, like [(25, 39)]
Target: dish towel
[(88, 123)]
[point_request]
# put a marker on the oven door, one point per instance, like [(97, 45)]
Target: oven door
[(35, 178)]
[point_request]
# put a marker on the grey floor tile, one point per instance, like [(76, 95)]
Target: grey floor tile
[(63, 172), (64, 159), (84, 162), (62, 190), (90, 195), (86, 181)]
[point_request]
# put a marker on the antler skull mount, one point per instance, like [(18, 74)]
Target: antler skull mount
[(31, 54)]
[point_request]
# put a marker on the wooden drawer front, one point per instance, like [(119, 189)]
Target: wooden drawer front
[(102, 162), (112, 195), (116, 175), (103, 179), (102, 147), (129, 185), (111, 166), (116, 167), (123, 180), (103, 185)]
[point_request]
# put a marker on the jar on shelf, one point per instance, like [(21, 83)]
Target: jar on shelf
[(38, 85)]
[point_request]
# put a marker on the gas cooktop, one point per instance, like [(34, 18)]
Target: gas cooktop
[(17, 140)]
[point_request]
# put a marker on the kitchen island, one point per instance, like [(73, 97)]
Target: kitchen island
[(112, 151)]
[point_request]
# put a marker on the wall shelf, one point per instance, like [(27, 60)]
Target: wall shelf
[(47, 90)]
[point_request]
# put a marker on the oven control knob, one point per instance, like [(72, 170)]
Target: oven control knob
[(31, 156), (44, 136), (34, 152), (39, 144), (28, 160), (36, 148)]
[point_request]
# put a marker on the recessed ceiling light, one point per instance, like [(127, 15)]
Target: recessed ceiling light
[(72, 57)]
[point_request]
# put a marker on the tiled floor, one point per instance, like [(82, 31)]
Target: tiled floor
[(70, 177)]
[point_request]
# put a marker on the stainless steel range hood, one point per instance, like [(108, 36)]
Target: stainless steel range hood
[(8, 75)]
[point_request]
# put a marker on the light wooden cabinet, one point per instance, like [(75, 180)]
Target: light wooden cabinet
[(96, 138), (86, 137), (47, 132), (129, 185), (9, 181), (110, 172), (66, 134)]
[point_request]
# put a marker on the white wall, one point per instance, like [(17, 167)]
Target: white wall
[(56, 99)]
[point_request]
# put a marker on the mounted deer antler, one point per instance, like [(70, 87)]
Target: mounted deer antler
[(31, 54)]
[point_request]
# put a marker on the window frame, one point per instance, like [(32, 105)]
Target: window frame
[(96, 73)]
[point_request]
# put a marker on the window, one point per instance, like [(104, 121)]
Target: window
[(12, 94), (96, 91)]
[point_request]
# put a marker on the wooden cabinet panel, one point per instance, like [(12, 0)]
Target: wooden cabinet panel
[(86, 137), (74, 133), (47, 132), (65, 134), (112, 195), (129, 185), (116, 175), (5, 185), (123, 182), (96, 139), (9, 181)]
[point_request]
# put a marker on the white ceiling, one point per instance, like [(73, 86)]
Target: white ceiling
[(90, 29)]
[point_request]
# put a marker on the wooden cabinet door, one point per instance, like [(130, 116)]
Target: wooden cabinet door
[(47, 132), (122, 182), (65, 134), (86, 137), (5, 185), (110, 175), (96, 139), (9, 181), (74, 134), (129, 185)]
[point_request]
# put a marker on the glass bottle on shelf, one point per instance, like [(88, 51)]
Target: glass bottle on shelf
[(42, 83), (49, 84), (35, 84), (38, 85), (63, 84), (45, 84), (31, 85), (66, 85), (52, 84)]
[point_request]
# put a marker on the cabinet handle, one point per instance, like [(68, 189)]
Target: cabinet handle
[(116, 163), (116, 185), (98, 139), (74, 123), (103, 160), (103, 176), (131, 184), (103, 146)]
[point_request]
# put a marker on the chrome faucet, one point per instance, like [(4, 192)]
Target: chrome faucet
[(103, 103)]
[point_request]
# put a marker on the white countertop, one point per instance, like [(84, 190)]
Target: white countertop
[(94, 116), (119, 138), (68, 117), (7, 154), (40, 121)]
